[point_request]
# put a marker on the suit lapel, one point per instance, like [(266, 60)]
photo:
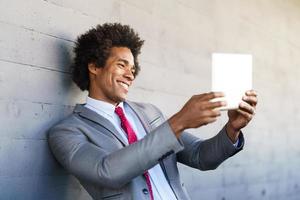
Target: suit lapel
[(93, 116), (141, 115), (168, 164), (146, 124)]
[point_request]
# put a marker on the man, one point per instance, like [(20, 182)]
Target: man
[(125, 150)]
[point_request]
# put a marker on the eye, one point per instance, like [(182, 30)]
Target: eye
[(121, 65)]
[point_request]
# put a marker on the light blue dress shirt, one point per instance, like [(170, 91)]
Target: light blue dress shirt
[(160, 186)]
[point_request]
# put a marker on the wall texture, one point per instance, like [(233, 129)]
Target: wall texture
[(36, 41)]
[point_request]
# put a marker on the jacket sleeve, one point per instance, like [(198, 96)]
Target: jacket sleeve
[(207, 154), (105, 167)]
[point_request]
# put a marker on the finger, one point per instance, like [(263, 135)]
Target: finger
[(213, 105), (251, 93), (209, 120), (252, 100), (247, 108), (246, 115), (212, 95), (211, 113)]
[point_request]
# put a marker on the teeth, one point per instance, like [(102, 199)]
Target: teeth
[(124, 85)]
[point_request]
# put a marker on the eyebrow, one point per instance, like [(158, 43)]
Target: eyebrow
[(126, 62)]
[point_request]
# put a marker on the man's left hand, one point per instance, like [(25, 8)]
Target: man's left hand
[(239, 118)]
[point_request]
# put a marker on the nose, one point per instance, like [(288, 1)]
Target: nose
[(129, 74)]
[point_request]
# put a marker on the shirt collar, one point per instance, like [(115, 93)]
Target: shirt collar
[(103, 106)]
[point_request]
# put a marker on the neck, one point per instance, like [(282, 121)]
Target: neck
[(97, 94), (100, 98)]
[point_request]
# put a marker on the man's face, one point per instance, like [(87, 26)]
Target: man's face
[(111, 82)]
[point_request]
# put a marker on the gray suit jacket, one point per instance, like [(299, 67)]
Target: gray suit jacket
[(89, 147)]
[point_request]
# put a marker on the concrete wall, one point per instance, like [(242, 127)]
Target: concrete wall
[(36, 41)]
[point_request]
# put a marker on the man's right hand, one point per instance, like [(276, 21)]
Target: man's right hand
[(198, 111)]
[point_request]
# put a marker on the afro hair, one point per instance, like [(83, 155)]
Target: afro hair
[(94, 47)]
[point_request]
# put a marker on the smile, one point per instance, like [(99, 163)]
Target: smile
[(124, 85)]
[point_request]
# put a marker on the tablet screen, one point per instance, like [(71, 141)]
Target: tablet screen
[(232, 75)]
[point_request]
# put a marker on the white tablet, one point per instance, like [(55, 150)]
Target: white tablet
[(232, 75)]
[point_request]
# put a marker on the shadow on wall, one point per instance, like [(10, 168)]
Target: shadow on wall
[(62, 185), (59, 184), (36, 96)]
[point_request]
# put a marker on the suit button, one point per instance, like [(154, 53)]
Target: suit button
[(145, 191)]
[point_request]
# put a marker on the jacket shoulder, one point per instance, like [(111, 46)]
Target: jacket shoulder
[(72, 122), (145, 107)]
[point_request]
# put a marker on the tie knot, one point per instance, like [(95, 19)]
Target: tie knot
[(119, 111)]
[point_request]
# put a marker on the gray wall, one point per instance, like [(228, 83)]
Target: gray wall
[(36, 41)]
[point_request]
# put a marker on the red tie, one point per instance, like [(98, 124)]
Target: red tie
[(132, 139)]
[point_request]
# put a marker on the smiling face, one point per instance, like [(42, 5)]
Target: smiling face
[(111, 82)]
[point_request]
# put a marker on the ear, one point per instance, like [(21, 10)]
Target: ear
[(92, 68)]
